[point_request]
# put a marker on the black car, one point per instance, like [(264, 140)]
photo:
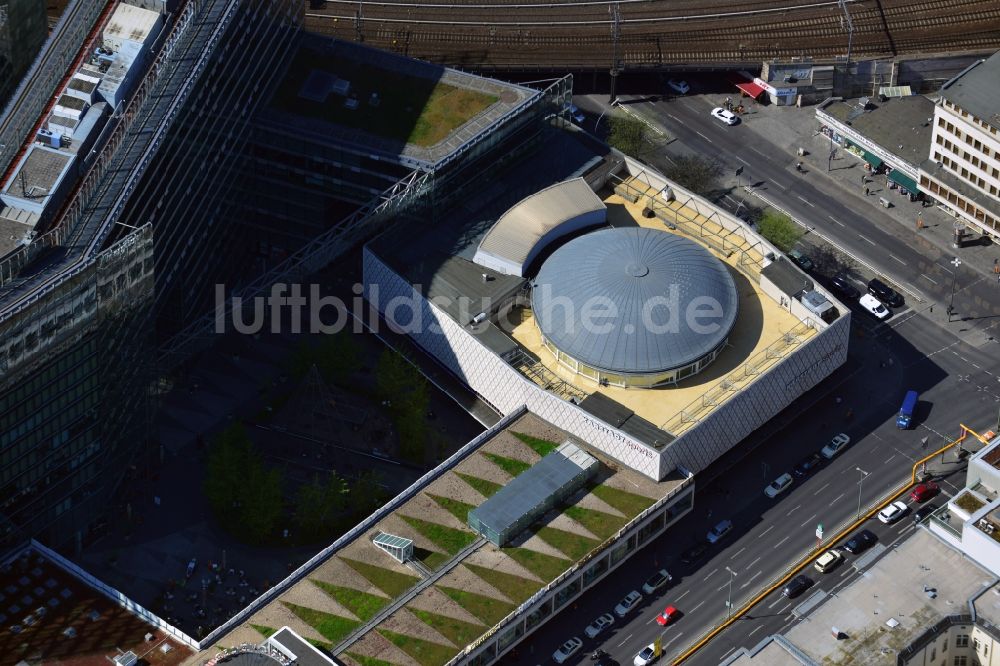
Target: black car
[(842, 287), (860, 542), (806, 466), (923, 512), (694, 554), (883, 292), (797, 586)]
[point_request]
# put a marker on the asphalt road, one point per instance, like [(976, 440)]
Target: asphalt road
[(958, 384)]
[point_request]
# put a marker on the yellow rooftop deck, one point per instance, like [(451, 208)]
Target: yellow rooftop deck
[(764, 332)]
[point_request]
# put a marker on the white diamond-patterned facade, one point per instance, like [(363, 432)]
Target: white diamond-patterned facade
[(506, 389)]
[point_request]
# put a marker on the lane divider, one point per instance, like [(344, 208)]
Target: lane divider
[(814, 552)]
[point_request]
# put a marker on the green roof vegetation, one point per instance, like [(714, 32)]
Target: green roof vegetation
[(263, 631), (362, 604), (969, 502), (332, 627), (597, 523), (432, 559), (458, 632), (544, 566), (573, 545), (392, 583), (628, 503), (367, 661), (481, 486), (322, 645), (456, 508), (447, 538), (424, 652), (515, 588), (542, 447), (509, 465), (487, 609)]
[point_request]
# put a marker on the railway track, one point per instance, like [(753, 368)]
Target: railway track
[(493, 34)]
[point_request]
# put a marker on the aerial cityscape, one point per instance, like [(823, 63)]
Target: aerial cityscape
[(411, 333)]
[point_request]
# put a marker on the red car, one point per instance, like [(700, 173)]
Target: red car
[(924, 491), (668, 615)]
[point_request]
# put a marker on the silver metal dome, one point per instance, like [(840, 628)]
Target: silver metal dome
[(655, 302)]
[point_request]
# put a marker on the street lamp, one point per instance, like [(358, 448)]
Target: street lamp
[(956, 262), (613, 105), (729, 604), (863, 475)]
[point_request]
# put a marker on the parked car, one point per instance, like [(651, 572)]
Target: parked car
[(873, 306), (801, 260), (807, 465), (797, 586), (695, 553), (860, 542), (566, 650), (656, 581), (646, 656), (668, 615), (893, 512), (575, 113), (779, 485), (628, 603), (828, 561), (719, 531), (842, 287), (599, 625), (924, 491), (727, 117), (923, 512), (885, 293), (836, 445), (679, 87)]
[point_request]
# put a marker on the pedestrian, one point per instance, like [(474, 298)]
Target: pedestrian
[(866, 190)]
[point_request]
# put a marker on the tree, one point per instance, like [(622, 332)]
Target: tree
[(695, 173), (779, 229), (627, 134), (262, 504), (319, 506), (366, 495), (339, 357), (402, 385), (224, 476)]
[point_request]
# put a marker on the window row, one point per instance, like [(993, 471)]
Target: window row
[(958, 168), (986, 166), (944, 194)]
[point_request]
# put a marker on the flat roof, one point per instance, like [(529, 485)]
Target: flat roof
[(132, 23), (353, 590), (39, 173), (787, 277), (901, 126), (975, 90)]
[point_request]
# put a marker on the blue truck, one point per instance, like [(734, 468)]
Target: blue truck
[(906, 411)]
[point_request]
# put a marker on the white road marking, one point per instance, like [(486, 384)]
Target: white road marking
[(703, 136), (806, 201), (866, 239), (775, 603), (847, 572), (781, 542), (890, 459), (674, 117), (726, 654), (760, 153), (825, 486), (767, 530), (709, 575), (683, 595), (809, 520), (700, 604), (892, 256), (750, 579), (755, 631), (753, 563), (797, 506), (742, 160), (626, 639), (927, 277), (676, 636), (738, 552), (837, 498)]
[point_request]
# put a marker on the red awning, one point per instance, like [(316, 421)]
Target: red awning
[(751, 89)]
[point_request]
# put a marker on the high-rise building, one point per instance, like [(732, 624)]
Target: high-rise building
[(23, 28)]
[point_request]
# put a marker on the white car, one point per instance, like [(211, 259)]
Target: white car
[(646, 657), (599, 625), (893, 512), (873, 306), (628, 603), (727, 117), (656, 581), (779, 485), (566, 650), (679, 87), (828, 560), (575, 113), (836, 445)]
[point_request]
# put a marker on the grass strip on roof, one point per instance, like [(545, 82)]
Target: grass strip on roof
[(544, 566), (362, 604), (456, 508), (424, 652), (481, 486), (446, 538), (515, 588), (263, 630), (458, 632), (332, 627), (573, 545), (487, 609), (392, 583), (542, 447), (432, 559), (367, 661), (628, 503), (598, 523), (509, 465), (322, 645)]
